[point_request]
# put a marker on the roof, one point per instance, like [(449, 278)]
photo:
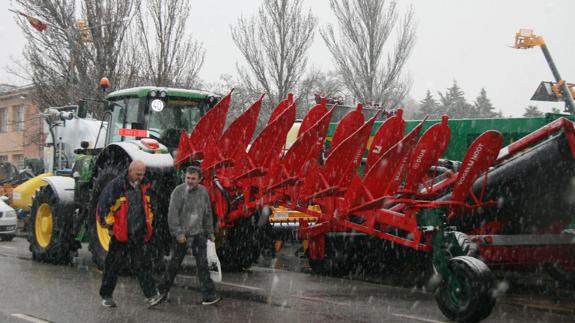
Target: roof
[(143, 91), (6, 89)]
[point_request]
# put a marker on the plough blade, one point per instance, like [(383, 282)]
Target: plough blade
[(430, 147), (280, 108), (308, 145), (240, 132), (345, 158), (268, 145), (388, 134), (210, 125), (385, 176), (481, 154), (313, 116), (295, 163), (347, 126), (336, 175)]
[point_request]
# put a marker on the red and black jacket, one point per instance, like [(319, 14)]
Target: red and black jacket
[(113, 208)]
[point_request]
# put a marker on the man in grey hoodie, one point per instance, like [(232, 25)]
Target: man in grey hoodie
[(191, 224)]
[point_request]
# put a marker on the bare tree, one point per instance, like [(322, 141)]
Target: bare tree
[(169, 55), (274, 44), (359, 50), (323, 84), (241, 98), (67, 59)]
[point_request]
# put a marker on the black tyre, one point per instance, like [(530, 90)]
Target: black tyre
[(99, 239), (241, 245), (466, 295), (51, 223), (560, 273), (7, 237), (337, 260)]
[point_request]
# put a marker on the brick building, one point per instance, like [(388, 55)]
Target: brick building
[(21, 134)]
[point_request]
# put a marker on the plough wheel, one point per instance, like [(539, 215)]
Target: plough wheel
[(337, 260), (466, 295), (242, 244), (560, 273)]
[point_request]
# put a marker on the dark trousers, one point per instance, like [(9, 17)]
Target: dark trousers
[(118, 253), (198, 245)]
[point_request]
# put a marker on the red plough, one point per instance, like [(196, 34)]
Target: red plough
[(403, 196)]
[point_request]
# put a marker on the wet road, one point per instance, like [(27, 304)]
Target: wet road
[(272, 292)]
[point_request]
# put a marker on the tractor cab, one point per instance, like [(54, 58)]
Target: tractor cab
[(157, 113)]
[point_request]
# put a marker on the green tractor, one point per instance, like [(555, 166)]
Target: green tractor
[(142, 123)]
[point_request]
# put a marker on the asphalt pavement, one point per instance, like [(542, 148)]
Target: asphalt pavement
[(277, 290)]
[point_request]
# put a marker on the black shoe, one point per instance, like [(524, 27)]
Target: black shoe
[(108, 302), (211, 300)]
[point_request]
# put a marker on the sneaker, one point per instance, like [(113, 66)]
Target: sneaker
[(155, 300), (211, 300), (108, 302)]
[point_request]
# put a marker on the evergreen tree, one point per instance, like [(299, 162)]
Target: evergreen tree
[(428, 106), (483, 106), (532, 111), (453, 103)]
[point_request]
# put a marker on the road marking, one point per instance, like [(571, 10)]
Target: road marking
[(6, 247), (226, 284), (240, 286), (314, 299), (29, 318), (418, 318)]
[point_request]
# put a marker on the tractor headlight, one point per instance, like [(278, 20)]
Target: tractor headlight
[(153, 93), (163, 94), (10, 214)]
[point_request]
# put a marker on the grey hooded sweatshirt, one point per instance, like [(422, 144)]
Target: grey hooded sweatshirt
[(190, 211)]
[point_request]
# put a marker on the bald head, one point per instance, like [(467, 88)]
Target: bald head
[(136, 171)]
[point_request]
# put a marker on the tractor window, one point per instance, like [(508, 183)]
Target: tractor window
[(179, 114), (125, 115)]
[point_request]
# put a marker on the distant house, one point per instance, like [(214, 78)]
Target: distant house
[(21, 134)]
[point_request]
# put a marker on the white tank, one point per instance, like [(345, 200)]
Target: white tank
[(69, 132)]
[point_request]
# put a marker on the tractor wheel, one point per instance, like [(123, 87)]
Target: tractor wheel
[(466, 295), (51, 222), (99, 238)]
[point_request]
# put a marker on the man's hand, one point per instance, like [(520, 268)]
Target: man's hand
[(181, 238)]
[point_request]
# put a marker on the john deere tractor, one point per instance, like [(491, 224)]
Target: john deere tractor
[(142, 123)]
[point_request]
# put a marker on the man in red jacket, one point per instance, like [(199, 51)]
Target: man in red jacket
[(124, 208)]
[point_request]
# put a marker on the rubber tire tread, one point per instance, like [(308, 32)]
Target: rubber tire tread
[(105, 175), (61, 248), (483, 302)]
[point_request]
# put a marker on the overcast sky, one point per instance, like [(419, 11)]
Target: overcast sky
[(463, 40)]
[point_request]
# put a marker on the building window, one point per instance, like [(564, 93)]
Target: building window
[(3, 158), (19, 119), (18, 160), (3, 120)]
